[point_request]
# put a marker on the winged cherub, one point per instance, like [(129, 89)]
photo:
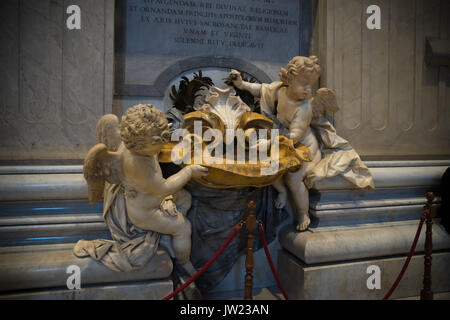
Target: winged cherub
[(150, 202), (291, 101)]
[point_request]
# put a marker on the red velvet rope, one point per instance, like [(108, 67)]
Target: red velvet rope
[(405, 265), (269, 259), (198, 274), (272, 267)]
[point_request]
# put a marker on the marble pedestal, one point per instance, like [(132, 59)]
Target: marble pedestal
[(40, 272), (43, 213), (332, 264), (151, 290), (348, 280), (353, 230)]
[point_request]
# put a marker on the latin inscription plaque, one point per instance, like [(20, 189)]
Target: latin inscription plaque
[(172, 35)]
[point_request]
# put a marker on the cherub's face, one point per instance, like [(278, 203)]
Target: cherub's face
[(299, 88), (151, 149)]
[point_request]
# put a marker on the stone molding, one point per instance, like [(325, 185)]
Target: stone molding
[(323, 245), (44, 266)]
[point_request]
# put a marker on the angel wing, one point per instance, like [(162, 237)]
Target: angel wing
[(325, 100), (101, 165), (108, 133)]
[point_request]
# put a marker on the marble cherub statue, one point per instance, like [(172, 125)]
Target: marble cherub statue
[(298, 113), (139, 204)]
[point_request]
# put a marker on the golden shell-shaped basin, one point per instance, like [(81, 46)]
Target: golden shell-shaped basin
[(239, 174)]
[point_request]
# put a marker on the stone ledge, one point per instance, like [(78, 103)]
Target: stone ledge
[(44, 266), (32, 187), (67, 182), (399, 194), (355, 216), (348, 280), (319, 245), (153, 290), (373, 203), (33, 169), (50, 222), (391, 177)]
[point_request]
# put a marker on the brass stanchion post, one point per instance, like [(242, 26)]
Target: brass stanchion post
[(426, 293), (250, 223)]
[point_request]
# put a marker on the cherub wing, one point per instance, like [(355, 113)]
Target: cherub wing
[(108, 133), (325, 100), (101, 165)]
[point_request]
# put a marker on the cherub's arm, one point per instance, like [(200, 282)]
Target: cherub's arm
[(154, 183), (253, 88), (176, 182), (301, 122)]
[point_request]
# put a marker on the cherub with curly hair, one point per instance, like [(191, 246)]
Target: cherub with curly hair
[(291, 101), (139, 204)]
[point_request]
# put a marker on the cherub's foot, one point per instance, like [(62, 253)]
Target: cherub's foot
[(185, 272), (189, 268), (280, 201), (303, 223)]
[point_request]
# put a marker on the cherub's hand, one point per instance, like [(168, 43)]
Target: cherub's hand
[(236, 77), (198, 171)]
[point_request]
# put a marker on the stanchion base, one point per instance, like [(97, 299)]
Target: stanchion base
[(426, 295)]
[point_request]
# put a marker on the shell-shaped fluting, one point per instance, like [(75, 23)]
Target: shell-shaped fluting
[(226, 105), (206, 119), (224, 110)]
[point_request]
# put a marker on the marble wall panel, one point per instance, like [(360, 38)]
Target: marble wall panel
[(392, 104), (57, 82)]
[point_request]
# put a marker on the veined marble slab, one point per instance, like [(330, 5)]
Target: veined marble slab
[(152, 290), (56, 82), (44, 266), (343, 243), (391, 177), (348, 280), (29, 187), (67, 182), (399, 194), (40, 169)]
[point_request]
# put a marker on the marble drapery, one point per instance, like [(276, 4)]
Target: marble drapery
[(131, 248), (338, 156), (214, 214)]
